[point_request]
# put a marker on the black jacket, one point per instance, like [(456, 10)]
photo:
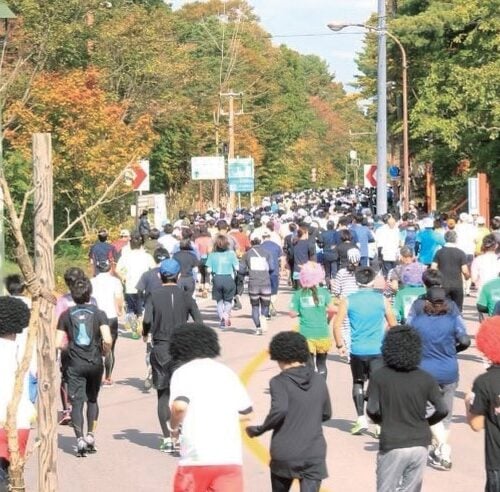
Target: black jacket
[(299, 404)]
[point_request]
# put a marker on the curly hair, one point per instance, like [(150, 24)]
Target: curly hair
[(402, 348), (289, 346), (488, 339), (194, 341), (14, 315)]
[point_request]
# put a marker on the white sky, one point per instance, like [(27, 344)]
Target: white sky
[(293, 17)]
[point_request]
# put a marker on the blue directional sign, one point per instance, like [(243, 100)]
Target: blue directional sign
[(240, 173)]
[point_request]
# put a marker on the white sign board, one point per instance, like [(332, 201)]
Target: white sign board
[(473, 196), (155, 203), (207, 168)]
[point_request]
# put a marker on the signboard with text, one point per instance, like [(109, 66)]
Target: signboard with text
[(207, 168), (240, 173)]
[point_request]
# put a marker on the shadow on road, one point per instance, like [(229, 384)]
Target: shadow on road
[(67, 444), (340, 424), (135, 436), (134, 382)]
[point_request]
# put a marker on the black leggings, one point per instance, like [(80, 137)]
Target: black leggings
[(164, 410), (321, 364), (282, 484), (109, 360), (77, 416)]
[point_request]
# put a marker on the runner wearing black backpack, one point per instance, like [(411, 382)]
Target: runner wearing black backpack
[(89, 338)]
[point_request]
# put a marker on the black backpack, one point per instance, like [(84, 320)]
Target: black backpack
[(85, 338)]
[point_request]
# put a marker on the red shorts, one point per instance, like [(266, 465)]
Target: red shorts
[(209, 478), (22, 437)]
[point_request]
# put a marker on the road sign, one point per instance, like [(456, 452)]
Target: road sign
[(207, 168), (395, 173), (140, 181), (240, 174), (473, 195), (370, 180)]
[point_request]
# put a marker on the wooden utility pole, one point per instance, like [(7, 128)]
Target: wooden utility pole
[(216, 196), (231, 115), (44, 268)]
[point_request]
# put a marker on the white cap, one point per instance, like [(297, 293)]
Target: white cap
[(427, 223), (481, 220), (464, 216)]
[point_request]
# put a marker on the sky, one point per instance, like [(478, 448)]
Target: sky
[(283, 18)]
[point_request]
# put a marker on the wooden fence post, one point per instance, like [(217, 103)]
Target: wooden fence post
[(44, 268)]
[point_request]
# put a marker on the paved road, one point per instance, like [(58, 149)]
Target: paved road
[(128, 459)]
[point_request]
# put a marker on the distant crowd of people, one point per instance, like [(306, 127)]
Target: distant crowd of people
[(387, 291)]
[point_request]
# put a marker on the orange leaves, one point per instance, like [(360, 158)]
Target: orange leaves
[(92, 141)]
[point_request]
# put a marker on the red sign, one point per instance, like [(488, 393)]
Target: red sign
[(141, 176), (370, 175)]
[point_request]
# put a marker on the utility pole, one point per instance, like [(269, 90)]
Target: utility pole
[(216, 181), (231, 115)]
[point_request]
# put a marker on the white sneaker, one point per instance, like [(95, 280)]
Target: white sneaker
[(263, 324)]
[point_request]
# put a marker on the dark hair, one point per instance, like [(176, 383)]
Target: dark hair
[(135, 241), (81, 290), (221, 224), (160, 254), (450, 236), (432, 278), (435, 302), (289, 346), (364, 275), (102, 235), (203, 231), (154, 233), (15, 284), (186, 233), (235, 223), (103, 266), (330, 225), (185, 245), (14, 316), (255, 241), (345, 235), (168, 228), (489, 243), (168, 279), (221, 243), (292, 226), (194, 341), (72, 274), (402, 348)]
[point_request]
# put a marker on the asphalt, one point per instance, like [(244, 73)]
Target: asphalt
[(128, 434)]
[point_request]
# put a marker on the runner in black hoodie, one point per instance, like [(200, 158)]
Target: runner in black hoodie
[(299, 404)]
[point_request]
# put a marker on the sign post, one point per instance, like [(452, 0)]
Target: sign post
[(240, 173), (370, 176), (207, 168)]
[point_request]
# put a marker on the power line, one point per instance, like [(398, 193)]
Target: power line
[(310, 35)]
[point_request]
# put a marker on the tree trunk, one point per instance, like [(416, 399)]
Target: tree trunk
[(44, 267)]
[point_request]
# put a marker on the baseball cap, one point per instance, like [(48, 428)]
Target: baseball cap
[(481, 220), (436, 294), (428, 223), (353, 255), (170, 267), (124, 233)]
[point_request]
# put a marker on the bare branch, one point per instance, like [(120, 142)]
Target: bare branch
[(25, 204), (99, 202)]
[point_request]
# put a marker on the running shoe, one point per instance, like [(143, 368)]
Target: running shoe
[(237, 304), (167, 445), (272, 311), (148, 382), (359, 427), (263, 324), (226, 320), (81, 447), (65, 418), (90, 440), (258, 331), (376, 431), (439, 457)]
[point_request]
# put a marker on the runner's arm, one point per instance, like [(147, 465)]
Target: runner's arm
[(106, 338), (389, 314), (337, 325), (475, 420)]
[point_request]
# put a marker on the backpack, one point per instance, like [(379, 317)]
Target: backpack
[(85, 341)]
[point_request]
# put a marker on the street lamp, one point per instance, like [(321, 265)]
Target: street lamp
[(5, 15), (336, 27)]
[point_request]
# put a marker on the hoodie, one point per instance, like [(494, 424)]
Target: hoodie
[(300, 403)]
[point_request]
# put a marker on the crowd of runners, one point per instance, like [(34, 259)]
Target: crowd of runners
[(385, 292)]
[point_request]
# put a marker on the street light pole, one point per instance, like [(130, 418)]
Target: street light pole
[(382, 114)]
